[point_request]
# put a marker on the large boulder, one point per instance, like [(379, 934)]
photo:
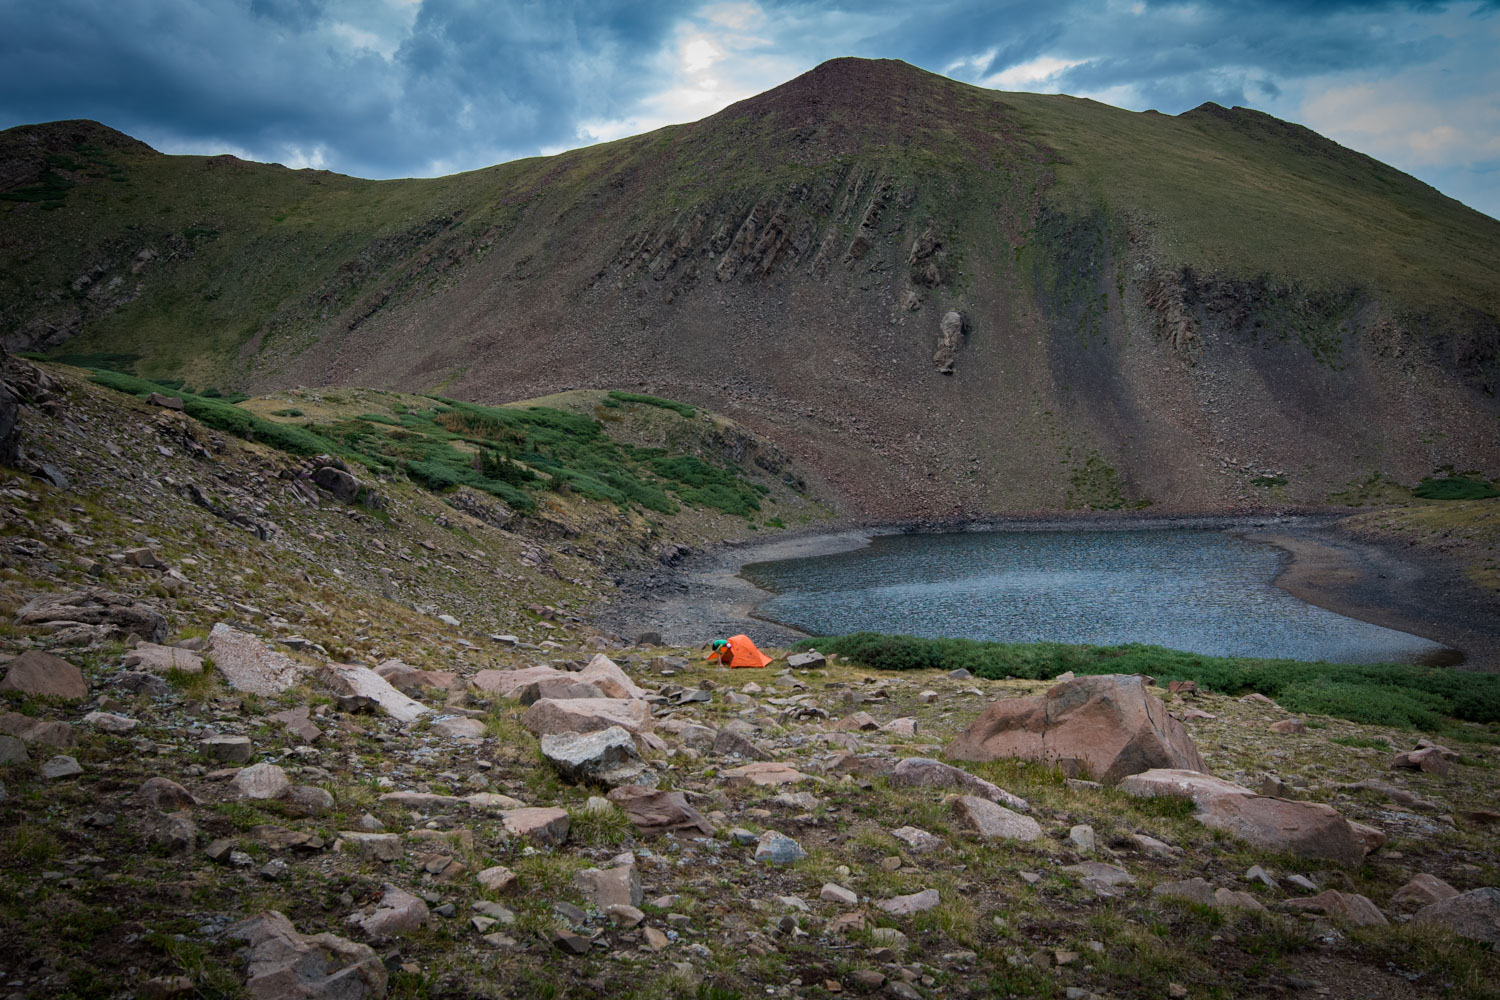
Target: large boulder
[(362, 682), (606, 757), (247, 665), (1474, 915), (1309, 829), (993, 821), (586, 715), (507, 683), (105, 610), (44, 675), (1109, 725), (606, 675), (285, 964)]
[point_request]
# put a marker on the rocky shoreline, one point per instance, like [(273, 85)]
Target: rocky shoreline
[(1397, 588)]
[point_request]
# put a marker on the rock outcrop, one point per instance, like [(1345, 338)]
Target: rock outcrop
[(1107, 725)]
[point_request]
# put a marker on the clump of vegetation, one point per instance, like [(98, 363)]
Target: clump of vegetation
[(225, 416), (507, 452), (1387, 694), (666, 404), (1454, 488)]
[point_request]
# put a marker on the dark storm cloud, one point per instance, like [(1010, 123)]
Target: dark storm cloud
[(467, 82), (390, 87)]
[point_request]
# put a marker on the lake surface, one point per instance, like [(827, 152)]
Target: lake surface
[(1201, 590)]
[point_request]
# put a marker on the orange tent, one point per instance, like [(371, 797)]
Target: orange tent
[(739, 651)]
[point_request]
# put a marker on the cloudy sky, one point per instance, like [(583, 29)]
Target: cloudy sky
[(390, 88)]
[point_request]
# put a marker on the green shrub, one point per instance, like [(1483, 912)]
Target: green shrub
[(1387, 694), (1454, 488), (666, 404)]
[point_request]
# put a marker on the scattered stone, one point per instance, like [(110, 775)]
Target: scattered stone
[(457, 727), (43, 675), (1422, 890), (777, 848), (810, 660), (373, 846), (655, 811), (543, 824), (608, 887), (1152, 846), (1179, 783), (248, 666), (1474, 914), (29, 730), (924, 772), (993, 821), (285, 964), (915, 903), (762, 773), (261, 781), (586, 715), (165, 795), (918, 841), (12, 751), (1109, 725), (139, 682), (497, 878), (61, 766), (567, 942), (901, 727), (226, 749), (1289, 726), (624, 916), (1303, 882), (1082, 837), (655, 939), (1356, 909), (832, 892), (563, 687), (397, 913), (118, 725), (1101, 874), (361, 682), (1428, 759), (298, 722), (308, 800), (159, 659), (859, 721), (1255, 873), (606, 675), (412, 681), (606, 757)]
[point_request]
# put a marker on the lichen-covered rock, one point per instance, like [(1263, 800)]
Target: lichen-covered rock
[(606, 757), (1474, 914), (586, 715), (247, 665)]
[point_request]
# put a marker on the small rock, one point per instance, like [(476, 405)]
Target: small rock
[(993, 821), (119, 725), (61, 766), (835, 893), (497, 879), (44, 676), (914, 903), (1289, 726), (777, 848), (919, 841), (1082, 837), (1474, 914), (1422, 890), (623, 915), (261, 781), (226, 749), (397, 913)]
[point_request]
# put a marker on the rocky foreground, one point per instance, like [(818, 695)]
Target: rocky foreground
[(217, 817), (259, 740)]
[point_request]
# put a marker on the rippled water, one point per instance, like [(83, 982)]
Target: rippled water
[(1204, 591)]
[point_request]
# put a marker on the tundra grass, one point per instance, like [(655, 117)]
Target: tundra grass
[(1389, 694)]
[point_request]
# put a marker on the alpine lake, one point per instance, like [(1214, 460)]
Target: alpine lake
[(1201, 590)]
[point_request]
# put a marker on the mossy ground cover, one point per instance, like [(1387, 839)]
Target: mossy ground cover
[(1425, 698), (507, 451)]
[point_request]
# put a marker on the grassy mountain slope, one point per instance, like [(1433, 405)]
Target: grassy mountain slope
[(1211, 310)]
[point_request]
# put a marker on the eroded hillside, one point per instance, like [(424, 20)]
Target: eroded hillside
[(949, 301)]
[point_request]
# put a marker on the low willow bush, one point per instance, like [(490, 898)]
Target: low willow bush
[(1383, 694)]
